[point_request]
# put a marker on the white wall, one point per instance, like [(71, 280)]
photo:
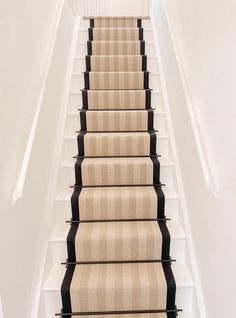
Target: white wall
[(25, 29), (205, 34)]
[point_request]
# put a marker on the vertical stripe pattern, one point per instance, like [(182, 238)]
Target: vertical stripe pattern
[(118, 244)]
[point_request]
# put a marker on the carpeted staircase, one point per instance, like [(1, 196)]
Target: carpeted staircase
[(118, 245)]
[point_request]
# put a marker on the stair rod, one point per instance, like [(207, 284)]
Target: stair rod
[(119, 312), (118, 220), (116, 110), (117, 185), (115, 131), (144, 156), (119, 262)]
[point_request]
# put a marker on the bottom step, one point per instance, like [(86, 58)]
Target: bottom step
[(52, 286)]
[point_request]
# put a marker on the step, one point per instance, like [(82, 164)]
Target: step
[(75, 100), (85, 23), (73, 122), (79, 64), (62, 205), (81, 48), (59, 235), (77, 81), (52, 285), (70, 148), (66, 175), (83, 34)]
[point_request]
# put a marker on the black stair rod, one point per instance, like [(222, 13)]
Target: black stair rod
[(117, 185), (115, 131), (117, 220), (115, 109), (142, 156), (125, 312), (119, 262)]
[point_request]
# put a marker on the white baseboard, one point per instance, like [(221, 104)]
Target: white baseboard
[(192, 255)]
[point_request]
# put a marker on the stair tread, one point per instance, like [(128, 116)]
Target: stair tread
[(170, 194), (57, 272), (61, 230), (163, 161)]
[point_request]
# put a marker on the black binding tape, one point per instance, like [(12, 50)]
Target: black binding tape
[(90, 34), (144, 62), (75, 204), (142, 47), (165, 240), (139, 23), (150, 119), (153, 139), (86, 80), (156, 170), (83, 122), (65, 289), (91, 23), (160, 203), (146, 80), (140, 34), (148, 98), (71, 242), (78, 172), (171, 286), (88, 63), (85, 99), (80, 143), (89, 47)]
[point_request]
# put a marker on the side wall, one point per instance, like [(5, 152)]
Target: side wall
[(24, 228), (204, 34)]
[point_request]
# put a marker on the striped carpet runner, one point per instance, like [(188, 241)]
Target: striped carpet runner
[(118, 244)]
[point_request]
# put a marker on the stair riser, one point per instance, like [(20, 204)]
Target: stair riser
[(84, 24), (79, 65), (81, 49), (70, 148), (67, 177), (77, 82), (53, 300), (75, 100), (73, 123), (62, 209), (59, 250), (83, 35)]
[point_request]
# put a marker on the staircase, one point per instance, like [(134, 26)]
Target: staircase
[(122, 125)]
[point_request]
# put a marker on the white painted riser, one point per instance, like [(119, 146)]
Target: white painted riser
[(75, 100), (52, 287), (83, 35), (81, 49), (67, 176), (70, 148), (77, 81), (73, 123), (79, 65), (85, 24), (62, 205)]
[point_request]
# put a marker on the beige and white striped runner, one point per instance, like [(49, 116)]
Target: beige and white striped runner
[(117, 120), (116, 99), (108, 287), (116, 63), (118, 203), (117, 34)]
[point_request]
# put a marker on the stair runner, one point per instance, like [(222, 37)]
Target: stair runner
[(118, 244)]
